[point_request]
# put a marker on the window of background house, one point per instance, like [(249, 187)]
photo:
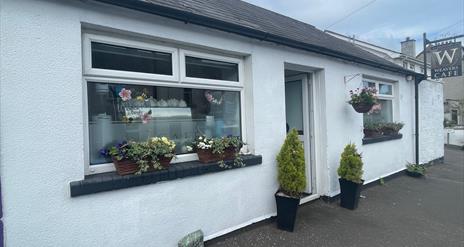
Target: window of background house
[(411, 66), (130, 111), (454, 116), (384, 111), (405, 65)]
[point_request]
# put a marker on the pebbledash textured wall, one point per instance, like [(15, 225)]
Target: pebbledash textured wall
[(42, 138), (431, 121)]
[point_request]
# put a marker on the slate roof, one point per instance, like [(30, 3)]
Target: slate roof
[(246, 19)]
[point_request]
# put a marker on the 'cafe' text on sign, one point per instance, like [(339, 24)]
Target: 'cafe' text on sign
[(446, 60)]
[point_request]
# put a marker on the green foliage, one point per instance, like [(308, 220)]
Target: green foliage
[(351, 164), (416, 168), (365, 95), (219, 145), (370, 125), (291, 166), (391, 127)]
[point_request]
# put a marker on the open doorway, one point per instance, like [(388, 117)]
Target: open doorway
[(298, 112)]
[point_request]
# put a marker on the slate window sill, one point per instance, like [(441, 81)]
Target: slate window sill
[(381, 139), (111, 181)]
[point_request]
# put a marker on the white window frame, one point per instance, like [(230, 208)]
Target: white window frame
[(137, 78), (194, 80), (87, 59), (391, 97)]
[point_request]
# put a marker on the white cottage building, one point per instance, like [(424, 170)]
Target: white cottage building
[(212, 67)]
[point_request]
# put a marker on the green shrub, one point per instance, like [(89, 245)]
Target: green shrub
[(415, 168), (351, 164), (291, 166)]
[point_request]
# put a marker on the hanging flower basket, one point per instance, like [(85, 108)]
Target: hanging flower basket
[(362, 107), (363, 99)]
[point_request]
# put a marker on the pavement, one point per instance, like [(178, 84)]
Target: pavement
[(405, 211)]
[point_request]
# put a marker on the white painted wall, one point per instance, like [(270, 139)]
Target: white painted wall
[(431, 121), (42, 137), (454, 136)]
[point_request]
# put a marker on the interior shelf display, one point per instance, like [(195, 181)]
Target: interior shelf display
[(121, 112)]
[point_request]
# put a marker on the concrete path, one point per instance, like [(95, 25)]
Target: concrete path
[(404, 211)]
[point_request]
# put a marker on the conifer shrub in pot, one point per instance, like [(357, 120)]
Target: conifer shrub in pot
[(292, 180), (350, 172)]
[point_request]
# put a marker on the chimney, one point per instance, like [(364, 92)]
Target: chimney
[(408, 47)]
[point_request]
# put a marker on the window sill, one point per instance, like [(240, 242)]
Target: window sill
[(112, 181), (381, 139)]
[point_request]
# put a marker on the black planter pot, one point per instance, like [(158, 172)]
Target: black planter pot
[(414, 174), (350, 192), (286, 211)]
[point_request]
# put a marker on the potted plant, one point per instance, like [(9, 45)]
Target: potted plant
[(372, 129), (138, 157), (218, 150), (292, 180), (415, 170), (350, 172), (363, 99), (391, 128)]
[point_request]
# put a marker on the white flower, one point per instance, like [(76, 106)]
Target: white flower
[(200, 138), (189, 149)]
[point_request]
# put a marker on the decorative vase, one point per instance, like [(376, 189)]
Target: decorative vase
[(362, 107)]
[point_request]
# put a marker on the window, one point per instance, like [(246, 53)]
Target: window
[(210, 69), (113, 57), (383, 112), (119, 112), (405, 65), (411, 66), (422, 69), (133, 92)]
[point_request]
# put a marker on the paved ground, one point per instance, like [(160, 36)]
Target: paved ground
[(403, 212)]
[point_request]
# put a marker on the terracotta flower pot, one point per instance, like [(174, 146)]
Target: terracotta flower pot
[(390, 132), (362, 107), (165, 161), (125, 167), (207, 155)]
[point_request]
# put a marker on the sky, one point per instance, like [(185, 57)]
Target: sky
[(381, 22)]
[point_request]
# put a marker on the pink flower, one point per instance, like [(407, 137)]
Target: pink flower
[(375, 108), (125, 94), (146, 117)]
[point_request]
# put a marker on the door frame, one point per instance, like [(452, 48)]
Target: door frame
[(308, 132)]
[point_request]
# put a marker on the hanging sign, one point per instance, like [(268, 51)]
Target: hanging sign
[(446, 60)]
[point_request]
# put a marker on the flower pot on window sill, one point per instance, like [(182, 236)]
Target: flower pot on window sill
[(362, 107), (207, 155), (164, 161), (388, 132), (369, 133), (125, 167)]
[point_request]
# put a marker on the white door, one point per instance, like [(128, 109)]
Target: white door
[(297, 112)]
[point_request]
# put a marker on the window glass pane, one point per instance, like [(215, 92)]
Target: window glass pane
[(385, 89), (368, 84), (119, 112), (211, 69), (382, 113), (105, 56)]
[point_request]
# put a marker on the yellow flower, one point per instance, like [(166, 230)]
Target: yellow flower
[(140, 98)]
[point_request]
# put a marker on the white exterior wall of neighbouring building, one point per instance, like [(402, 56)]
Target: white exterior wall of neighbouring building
[(42, 132), (431, 121)]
